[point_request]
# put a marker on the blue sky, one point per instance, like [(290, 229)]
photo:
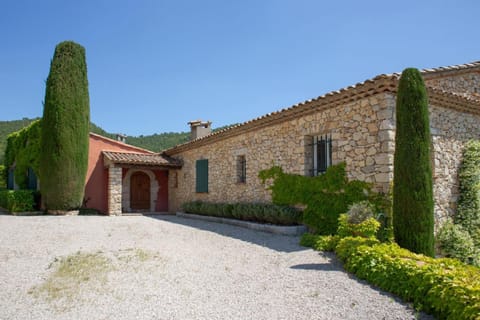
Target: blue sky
[(155, 65)]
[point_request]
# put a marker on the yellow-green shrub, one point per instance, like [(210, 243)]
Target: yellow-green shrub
[(366, 229), (318, 242), (444, 287)]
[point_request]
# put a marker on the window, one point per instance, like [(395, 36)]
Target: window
[(201, 182), (175, 179), (320, 154), (241, 169)]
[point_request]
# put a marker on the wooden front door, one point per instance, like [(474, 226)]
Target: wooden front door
[(140, 191)]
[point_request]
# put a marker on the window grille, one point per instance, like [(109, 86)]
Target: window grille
[(322, 154), (241, 169)]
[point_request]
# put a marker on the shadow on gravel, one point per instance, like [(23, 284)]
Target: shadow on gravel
[(317, 266), (272, 241)]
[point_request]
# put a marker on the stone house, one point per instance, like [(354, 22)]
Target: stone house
[(355, 124), (124, 178)]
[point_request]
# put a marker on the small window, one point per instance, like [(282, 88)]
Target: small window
[(175, 179), (201, 185), (241, 169), (321, 154)]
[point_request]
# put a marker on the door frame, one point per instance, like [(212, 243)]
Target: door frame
[(126, 207)]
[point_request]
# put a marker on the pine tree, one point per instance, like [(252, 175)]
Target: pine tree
[(65, 130), (413, 218)]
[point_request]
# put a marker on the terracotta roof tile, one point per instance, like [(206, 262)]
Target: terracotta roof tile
[(141, 159), (380, 83)]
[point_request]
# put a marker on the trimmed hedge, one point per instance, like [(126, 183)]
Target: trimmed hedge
[(444, 287), (17, 200), (257, 212)]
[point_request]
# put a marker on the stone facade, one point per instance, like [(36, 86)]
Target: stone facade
[(450, 130), (114, 190), (361, 123), (362, 136), (467, 84)]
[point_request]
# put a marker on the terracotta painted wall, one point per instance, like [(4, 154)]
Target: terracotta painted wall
[(97, 175)]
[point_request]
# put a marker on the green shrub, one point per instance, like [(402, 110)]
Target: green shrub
[(359, 212), (256, 212), (444, 287), (3, 177), (367, 228), (455, 242), (412, 191), (468, 210), (17, 200), (318, 242), (325, 196), (346, 246), (22, 150), (308, 240), (65, 130)]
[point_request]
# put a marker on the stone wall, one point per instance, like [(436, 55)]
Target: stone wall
[(114, 190), (467, 84), (450, 130), (362, 135)]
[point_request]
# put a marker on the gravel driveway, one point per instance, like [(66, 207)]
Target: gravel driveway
[(165, 267)]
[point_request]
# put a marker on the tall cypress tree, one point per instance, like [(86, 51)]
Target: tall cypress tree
[(65, 130), (413, 218)]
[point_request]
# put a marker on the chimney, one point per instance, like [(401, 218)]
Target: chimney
[(199, 129), (121, 138)]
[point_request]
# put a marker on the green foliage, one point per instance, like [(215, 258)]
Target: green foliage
[(159, 141), (412, 192), (318, 242), (367, 228), (3, 177), (325, 196), (359, 212), (347, 246), (257, 212), (443, 287), (455, 242), (468, 210), (155, 142), (17, 200), (8, 127), (23, 149), (65, 129)]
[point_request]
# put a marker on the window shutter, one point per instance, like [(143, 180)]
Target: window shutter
[(202, 175)]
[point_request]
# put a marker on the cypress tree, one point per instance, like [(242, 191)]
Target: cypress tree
[(413, 219), (65, 130)]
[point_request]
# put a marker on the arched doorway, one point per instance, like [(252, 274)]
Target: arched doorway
[(140, 191)]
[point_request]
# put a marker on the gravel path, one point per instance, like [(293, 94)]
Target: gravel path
[(174, 268)]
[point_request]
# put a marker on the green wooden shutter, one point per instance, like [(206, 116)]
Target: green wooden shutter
[(202, 175)]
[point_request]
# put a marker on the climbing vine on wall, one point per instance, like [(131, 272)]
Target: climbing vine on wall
[(468, 213), (325, 197), (23, 148)]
